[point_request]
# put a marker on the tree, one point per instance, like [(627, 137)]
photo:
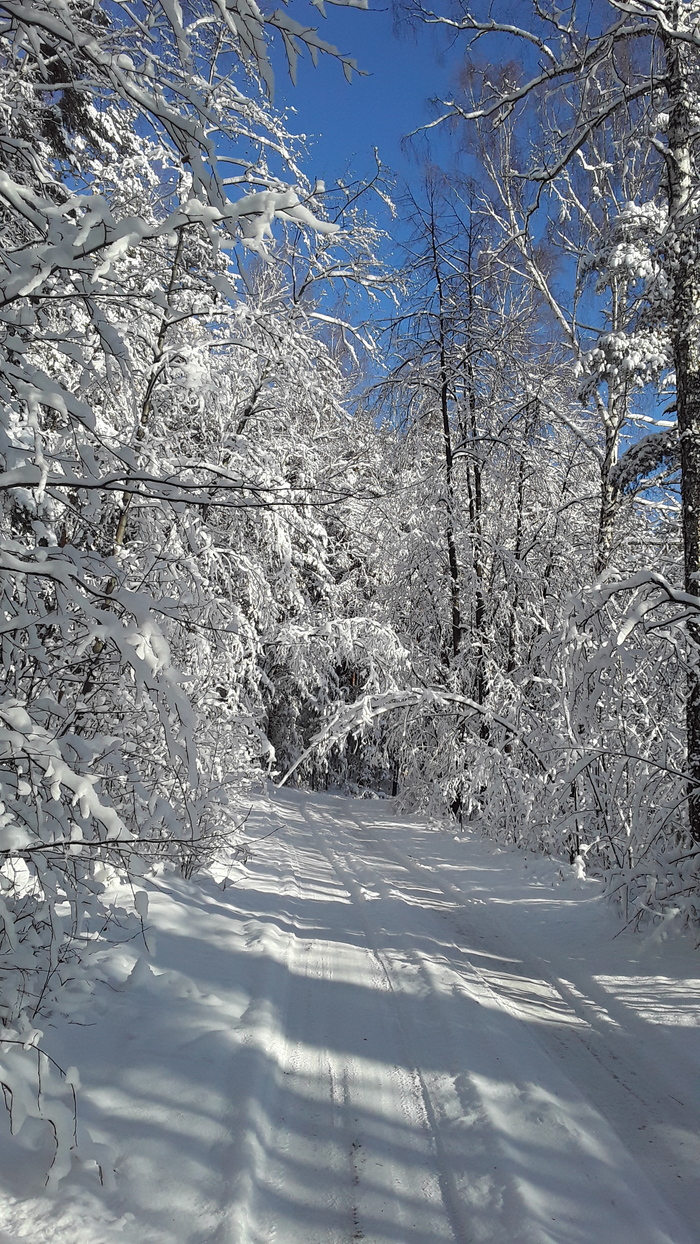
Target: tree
[(476, 453), (634, 76), (138, 148)]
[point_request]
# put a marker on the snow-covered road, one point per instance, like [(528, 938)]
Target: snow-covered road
[(375, 1031)]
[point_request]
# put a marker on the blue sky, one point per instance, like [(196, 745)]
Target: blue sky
[(405, 71), (344, 122)]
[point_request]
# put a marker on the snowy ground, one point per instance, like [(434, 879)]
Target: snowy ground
[(378, 1032)]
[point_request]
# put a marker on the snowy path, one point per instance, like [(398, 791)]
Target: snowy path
[(380, 1033)]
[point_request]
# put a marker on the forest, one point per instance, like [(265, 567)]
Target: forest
[(355, 486)]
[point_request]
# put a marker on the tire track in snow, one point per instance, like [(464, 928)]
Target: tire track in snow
[(292, 1083), (441, 1132), (400, 1096), (593, 1046), (257, 1043), (304, 1107), (589, 1132), (475, 1199), (454, 1207)]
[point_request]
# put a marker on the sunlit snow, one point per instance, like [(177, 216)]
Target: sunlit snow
[(374, 1030)]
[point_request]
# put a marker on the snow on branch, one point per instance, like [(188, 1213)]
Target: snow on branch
[(646, 456)]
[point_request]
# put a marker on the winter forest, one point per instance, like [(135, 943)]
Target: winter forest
[(383, 487)]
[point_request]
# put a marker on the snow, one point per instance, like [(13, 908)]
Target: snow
[(376, 1030)]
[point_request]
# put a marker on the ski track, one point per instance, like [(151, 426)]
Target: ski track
[(379, 1032)]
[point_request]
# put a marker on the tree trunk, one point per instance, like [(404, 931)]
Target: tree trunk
[(449, 488), (474, 493), (452, 560), (609, 502), (685, 237)]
